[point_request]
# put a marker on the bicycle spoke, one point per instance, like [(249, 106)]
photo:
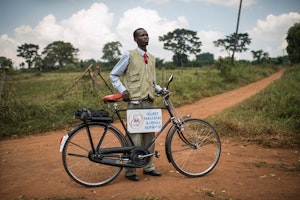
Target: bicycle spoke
[(79, 146), (82, 156)]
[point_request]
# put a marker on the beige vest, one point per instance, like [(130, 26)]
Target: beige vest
[(139, 78)]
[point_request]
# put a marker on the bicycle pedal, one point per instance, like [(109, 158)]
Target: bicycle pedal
[(157, 154)]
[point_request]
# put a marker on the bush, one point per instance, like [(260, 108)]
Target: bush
[(224, 65)]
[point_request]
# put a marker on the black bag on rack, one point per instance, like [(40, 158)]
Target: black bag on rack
[(92, 115)]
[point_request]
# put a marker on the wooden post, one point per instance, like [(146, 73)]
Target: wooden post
[(236, 32), (105, 82), (94, 76), (76, 80)]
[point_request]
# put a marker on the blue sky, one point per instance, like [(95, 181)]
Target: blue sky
[(88, 24)]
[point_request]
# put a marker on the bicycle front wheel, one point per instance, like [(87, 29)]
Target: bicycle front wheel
[(76, 151), (195, 149)]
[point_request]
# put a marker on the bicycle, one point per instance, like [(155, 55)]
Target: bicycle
[(95, 151)]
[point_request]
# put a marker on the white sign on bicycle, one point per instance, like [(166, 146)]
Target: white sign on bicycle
[(144, 120)]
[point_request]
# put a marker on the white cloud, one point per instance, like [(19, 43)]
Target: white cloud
[(154, 24), (8, 47), (157, 1), (224, 2), (88, 30), (48, 30), (269, 34), (207, 38)]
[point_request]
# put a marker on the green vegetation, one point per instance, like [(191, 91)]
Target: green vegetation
[(271, 118), (236, 42), (32, 103), (293, 40), (181, 42)]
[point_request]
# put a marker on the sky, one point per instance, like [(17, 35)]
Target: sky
[(89, 24)]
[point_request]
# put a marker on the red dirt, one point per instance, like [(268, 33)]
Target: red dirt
[(31, 168)]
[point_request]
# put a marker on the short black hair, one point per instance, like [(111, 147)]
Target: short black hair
[(134, 33)]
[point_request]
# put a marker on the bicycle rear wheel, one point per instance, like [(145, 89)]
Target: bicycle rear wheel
[(76, 151), (195, 149)]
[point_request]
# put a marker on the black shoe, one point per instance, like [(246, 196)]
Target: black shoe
[(152, 173), (133, 177)]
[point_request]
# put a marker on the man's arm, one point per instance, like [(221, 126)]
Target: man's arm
[(158, 89), (118, 71)]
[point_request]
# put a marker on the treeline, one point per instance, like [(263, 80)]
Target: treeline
[(182, 42)]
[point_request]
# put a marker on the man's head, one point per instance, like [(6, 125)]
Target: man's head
[(141, 37)]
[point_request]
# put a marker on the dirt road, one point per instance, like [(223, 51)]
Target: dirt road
[(31, 168)]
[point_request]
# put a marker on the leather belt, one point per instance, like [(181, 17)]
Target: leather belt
[(139, 101)]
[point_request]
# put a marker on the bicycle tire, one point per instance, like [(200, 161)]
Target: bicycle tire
[(75, 154), (195, 149)]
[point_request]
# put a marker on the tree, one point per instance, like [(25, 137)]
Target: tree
[(259, 55), (181, 42), (5, 63), (205, 59), (293, 40), (29, 52), (58, 54), (159, 62), (85, 63), (241, 40), (38, 62), (111, 52)]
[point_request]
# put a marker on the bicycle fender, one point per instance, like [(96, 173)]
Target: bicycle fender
[(167, 149), (63, 141), (65, 138), (171, 130)]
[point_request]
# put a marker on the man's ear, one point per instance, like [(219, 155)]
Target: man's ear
[(134, 39)]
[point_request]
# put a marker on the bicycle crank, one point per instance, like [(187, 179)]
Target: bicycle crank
[(140, 156)]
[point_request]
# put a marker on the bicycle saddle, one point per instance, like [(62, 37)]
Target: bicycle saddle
[(112, 98)]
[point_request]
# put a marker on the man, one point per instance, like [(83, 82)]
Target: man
[(138, 68)]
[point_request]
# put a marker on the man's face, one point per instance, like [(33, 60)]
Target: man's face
[(142, 38)]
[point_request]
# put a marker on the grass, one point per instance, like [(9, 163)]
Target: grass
[(33, 105), (270, 118)]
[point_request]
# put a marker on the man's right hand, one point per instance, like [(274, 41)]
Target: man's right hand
[(126, 96)]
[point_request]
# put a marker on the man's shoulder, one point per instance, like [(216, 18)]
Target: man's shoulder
[(133, 51), (126, 54)]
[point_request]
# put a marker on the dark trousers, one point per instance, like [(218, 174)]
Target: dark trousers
[(141, 139)]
